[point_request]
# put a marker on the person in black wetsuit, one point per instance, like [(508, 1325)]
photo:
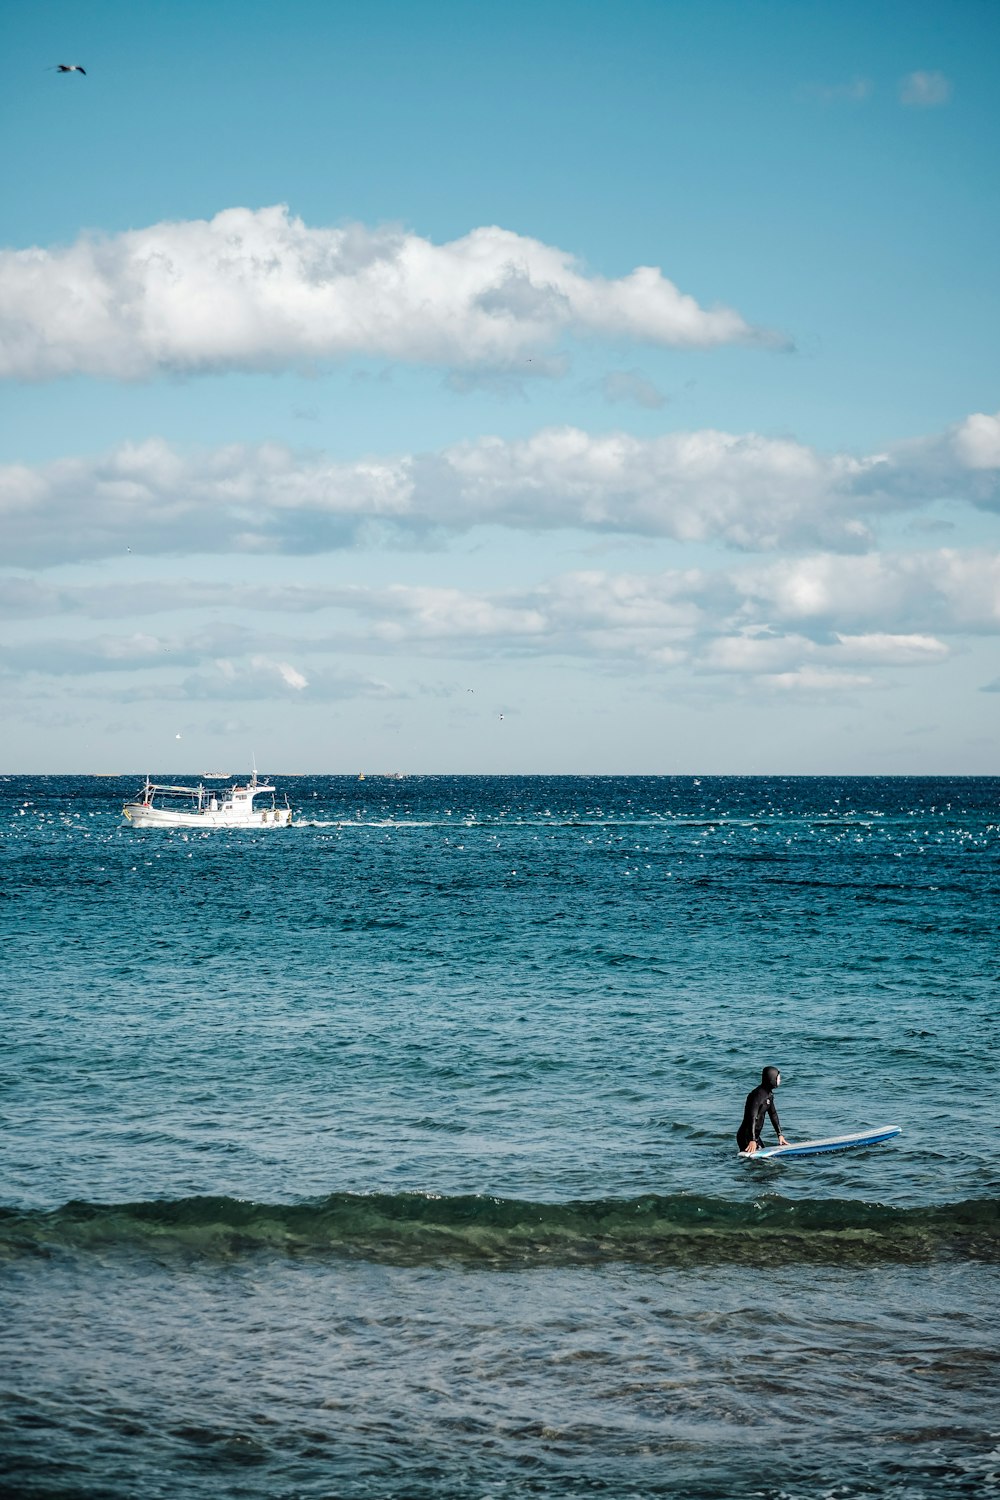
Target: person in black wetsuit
[(760, 1102)]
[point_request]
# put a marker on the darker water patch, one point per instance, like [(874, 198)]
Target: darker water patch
[(415, 1228)]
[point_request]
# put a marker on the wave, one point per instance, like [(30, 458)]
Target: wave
[(413, 1228), (488, 819)]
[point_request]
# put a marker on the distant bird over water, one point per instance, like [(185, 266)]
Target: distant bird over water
[(70, 68)]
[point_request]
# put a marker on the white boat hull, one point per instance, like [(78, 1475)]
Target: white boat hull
[(166, 805), (161, 817)]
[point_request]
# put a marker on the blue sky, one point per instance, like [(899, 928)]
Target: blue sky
[(627, 371)]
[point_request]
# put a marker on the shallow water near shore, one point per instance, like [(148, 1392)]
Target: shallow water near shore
[(392, 1154)]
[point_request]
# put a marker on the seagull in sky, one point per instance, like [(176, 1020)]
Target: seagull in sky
[(70, 68)]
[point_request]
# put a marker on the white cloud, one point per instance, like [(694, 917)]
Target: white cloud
[(816, 680), (977, 441), (220, 681), (261, 290), (946, 589), (406, 614), (890, 612), (855, 91), (923, 90), (632, 386), (774, 656), (259, 676), (883, 649), (23, 598), (726, 622), (134, 650), (288, 674), (745, 490), (748, 490)]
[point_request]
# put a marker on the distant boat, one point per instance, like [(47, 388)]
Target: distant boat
[(215, 775), (161, 805)]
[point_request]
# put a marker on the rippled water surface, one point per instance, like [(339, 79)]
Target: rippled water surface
[(392, 1154)]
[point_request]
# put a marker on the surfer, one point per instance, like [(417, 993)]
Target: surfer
[(760, 1102)]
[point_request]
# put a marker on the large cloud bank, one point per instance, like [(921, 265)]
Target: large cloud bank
[(944, 589), (816, 623), (747, 491), (261, 290)]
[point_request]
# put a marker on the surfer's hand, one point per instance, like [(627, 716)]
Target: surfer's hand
[(782, 1141), (751, 1148)]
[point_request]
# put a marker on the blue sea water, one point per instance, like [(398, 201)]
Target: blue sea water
[(393, 1154)]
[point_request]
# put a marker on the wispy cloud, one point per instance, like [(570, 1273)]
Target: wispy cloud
[(923, 90), (745, 490), (261, 290), (24, 598), (815, 622), (259, 678), (632, 386), (854, 91), (815, 681)]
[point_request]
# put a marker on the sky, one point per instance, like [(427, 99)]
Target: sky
[(564, 387)]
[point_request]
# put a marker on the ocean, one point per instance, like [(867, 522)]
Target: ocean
[(392, 1154)]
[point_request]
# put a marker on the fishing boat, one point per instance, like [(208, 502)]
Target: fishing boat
[(251, 805)]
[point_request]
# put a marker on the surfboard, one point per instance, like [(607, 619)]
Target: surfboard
[(831, 1143)]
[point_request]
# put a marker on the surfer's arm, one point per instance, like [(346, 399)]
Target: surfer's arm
[(773, 1115)]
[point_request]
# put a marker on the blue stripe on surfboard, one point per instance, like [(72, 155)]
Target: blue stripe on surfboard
[(831, 1143)]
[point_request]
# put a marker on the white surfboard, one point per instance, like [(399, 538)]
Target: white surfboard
[(831, 1143)]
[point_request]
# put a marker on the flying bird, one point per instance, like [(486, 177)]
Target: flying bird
[(70, 68)]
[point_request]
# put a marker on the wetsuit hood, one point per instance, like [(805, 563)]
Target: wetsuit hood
[(771, 1077)]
